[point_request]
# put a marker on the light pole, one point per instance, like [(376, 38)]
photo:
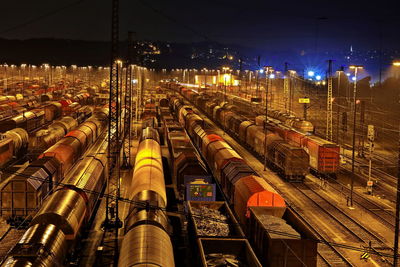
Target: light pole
[(205, 70), (73, 75), (339, 76), (225, 69), (5, 79), (355, 68), (396, 229), (267, 69)]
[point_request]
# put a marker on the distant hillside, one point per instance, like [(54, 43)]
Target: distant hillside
[(54, 51), (67, 52)]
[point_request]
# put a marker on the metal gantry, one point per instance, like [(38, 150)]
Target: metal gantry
[(128, 104), (329, 110), (286, 84), (112, 222)]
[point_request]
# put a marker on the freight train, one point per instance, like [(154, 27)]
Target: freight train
[(45, 138), (185, 160), (47, 112), (288, 161), (324, 156), (281, 117), (23, 193), (146, 241), (57, 226), (252, 199), (241, 185)]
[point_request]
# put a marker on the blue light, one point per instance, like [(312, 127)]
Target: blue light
[(310, 73), (318, 77), (348, 74), (353, 78), (272, 76), (261, 71)]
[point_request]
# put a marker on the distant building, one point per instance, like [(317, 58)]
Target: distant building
[(219, 79)]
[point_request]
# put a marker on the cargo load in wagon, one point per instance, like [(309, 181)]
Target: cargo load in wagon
[(280, 238), (226, 252), (213, 219)]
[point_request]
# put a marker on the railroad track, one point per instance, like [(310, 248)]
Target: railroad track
[(359, 232), (386, 216), (327, 253), (384, 188), (389, 179), (8, 240)]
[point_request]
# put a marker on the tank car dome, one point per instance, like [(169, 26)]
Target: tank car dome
[(304, 126)]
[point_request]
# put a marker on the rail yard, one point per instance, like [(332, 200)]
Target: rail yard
[(199, 134), (196, 177)]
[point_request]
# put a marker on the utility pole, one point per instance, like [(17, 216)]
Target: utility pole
[(257, 76), (240, 75), (362, 120), (354, 130), (397, 228), (286, 81), (329, 111), (338, 104), (267, 70)]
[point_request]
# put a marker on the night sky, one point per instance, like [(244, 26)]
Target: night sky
[(260, 24), (305, 33)]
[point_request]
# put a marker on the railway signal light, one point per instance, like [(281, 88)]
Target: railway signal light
[(371, 133)]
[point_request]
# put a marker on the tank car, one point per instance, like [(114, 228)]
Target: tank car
[(47, 137), (68, 149), (146, 240), (13, 145), (59, 222), (23, 193)]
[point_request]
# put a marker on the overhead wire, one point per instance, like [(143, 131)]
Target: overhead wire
[(40, 17), (147, 205)]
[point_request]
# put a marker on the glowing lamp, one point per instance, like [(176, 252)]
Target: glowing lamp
[(353, 67)]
